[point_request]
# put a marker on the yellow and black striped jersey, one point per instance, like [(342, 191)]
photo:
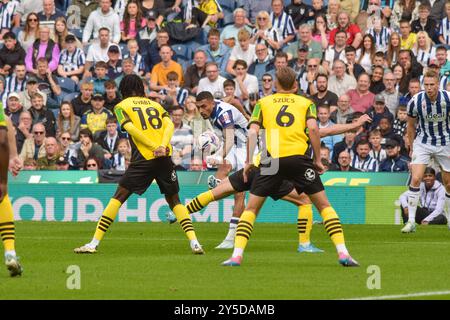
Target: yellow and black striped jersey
[(147, 116), (284, 116)]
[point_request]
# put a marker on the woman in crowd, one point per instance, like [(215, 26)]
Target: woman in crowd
[(404, 9), (402, 80), (366, 53), (320, 31), (61, 31), (333, 10), (376, 80), (423, 49), (30, 32), (132, 21), (67, 121), (393, 49), (264, 33), (92, 163)]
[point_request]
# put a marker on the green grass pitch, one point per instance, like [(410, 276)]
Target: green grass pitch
[(154, 261)]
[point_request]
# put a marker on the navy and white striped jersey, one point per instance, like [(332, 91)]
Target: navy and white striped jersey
[(138, 62), (368, 164), (433, 118), (7, 12), (182, 94), (444, 30), (425, 56), (381, 38), (224, 115), (271, 33), (72, 61), (12, 84), (283, 24)]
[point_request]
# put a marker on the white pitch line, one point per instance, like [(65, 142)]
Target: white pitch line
[(401, 296)]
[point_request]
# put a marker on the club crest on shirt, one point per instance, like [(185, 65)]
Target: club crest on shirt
[(174, 176)]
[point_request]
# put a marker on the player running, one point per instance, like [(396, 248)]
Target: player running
[(8, 158), (235, 183), (232, 124), (150, 129), (285, 117), (428, 133)]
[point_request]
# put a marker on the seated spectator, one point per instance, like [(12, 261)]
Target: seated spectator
[(323, 115), (40, 114), (65, 142), (265, 33), (61, 31), (182, 140), (31, 88), (261, 64), (33, 147), (246, 84), (340, 82), (14, 108), (394, 161), (381, 35), (229, 87), (362, 159), (360, 97), (376, 80), (132, 21), (344, 161), (320, 30), (98, 51), (407, 38), (111, 96), (390, 93), (100, 77), (324, 97), (148, 33), (194, 120), (48, 162), (121, 158), (62, 164), (152, 56), (48, 84), (267, 86), (344, 112), (283, 23), (109, 139), (401, 121), (30, 32), (16, 82), (377, 152), (432, 201), (213, 81), (42, 48), (158, 77), (29, 165), (378, 111), (347, 144), (23, 130), (174, 90), (195, 72), (353, 67), (307, 83), (114, 62), (95, 119), (103, 17), (72, 60), (11, 54), (82, 102), (133, 54), (92, 163), (87, 149), (216, 51), (49, 14), (243, 51), (229, 34), (10, 19), (354, 38), (385, 126), (127, 68), (67, 121), (305, 39), (336, 52)]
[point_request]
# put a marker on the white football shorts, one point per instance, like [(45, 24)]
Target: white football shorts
[(422, 154)]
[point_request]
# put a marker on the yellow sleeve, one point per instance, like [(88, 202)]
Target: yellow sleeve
[(256, 115), (139, 135), (121, 115), (169, 128)]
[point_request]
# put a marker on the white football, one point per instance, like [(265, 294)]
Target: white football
[(208, 140)]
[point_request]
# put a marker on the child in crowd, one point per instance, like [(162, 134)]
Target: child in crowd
[(134, 54), (399, 126), (122, 157)]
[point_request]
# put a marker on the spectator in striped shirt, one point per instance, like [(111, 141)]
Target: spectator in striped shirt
[(71, 60), (282, 22), (362, 159), (11, 54), (133, 53), (444, 30), (182, 140), (399, 126), (17, 81), (174, 90), (265, 33), (8, 17)]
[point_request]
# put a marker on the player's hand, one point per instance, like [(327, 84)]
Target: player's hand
[(247, 169), (160, 152), (15, 165), (363, 119), (319, 166)]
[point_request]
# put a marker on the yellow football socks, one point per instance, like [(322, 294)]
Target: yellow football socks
[(201, 201), (109, 214), (304, 223), (7, 230), (182, 215)]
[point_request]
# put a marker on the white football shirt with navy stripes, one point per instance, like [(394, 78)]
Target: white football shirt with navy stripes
[(283, 24), (182, 94), (271, 33), (444, 30), (7, 12), (381, 38), (432, 117), (71, 61), (224, 115)]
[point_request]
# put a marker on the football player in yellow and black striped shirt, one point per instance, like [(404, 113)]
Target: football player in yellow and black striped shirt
[(286, 118), (8, 158), (150, 129)]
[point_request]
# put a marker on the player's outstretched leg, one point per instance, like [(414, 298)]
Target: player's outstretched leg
[(107, 218), (182, 214), (7, 232), (200, 201), (239, 205), (304, 226)]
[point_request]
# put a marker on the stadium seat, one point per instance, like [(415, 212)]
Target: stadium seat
[(192, 47), (67, 85), (228, 17), (228, 4), (123, 49), (69, 97), (77, 33), (180, 51)]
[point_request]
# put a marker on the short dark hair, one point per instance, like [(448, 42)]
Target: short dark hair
[(281, 54), (240, 62), (350, 49), (101, 64), (86, 132), (229, 83), (9, 35), (110, 84), (403, 21), (213, 32), (111, 120), (205, 95), (103, 28), (172, 75), (323, 75)]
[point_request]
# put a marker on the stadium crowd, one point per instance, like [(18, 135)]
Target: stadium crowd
[(61, 63)]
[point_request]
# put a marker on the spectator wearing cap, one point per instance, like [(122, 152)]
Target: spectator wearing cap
[(344, 112), (11, 54), (229, 34), (390, 93), (33, 147), (45, 48), (432, 201), (16, 82), (305, 38), (336, 52), (95, 119), (394, 161), (158, 76), (103, 17), (49, 13), (71, 60), (98, 51), (361, 98), (195, 72), (48, 162), (132, 21), (148, 33), (216, 51), (48, 83), (82, 102), (31, 88), (40, 114), (14, 108), (378, 111), (299, 64), (84, 9), (261, 64), (114, 62), (62, 164)]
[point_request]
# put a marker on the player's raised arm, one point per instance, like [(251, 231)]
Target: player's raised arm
[(341, 128)]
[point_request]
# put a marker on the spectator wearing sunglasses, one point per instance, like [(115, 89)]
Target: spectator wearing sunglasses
[(33, 147)]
